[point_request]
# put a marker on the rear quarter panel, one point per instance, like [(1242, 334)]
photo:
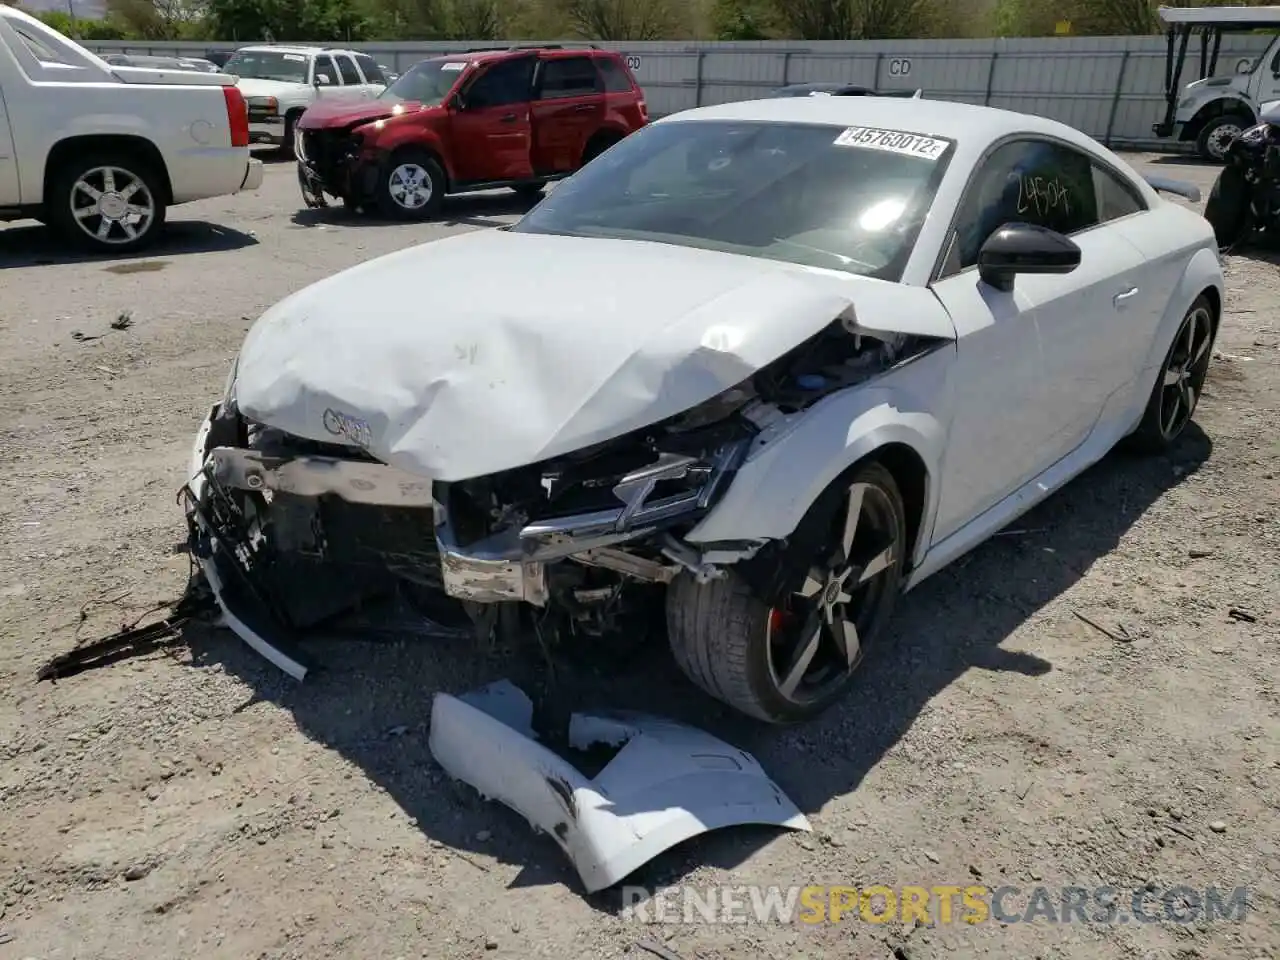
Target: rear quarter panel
[(1181, 263), (187, 124)]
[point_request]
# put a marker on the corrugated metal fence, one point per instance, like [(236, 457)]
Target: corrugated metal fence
[(1109, 87)]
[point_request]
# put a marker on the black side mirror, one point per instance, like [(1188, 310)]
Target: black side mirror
[(1025, 248)]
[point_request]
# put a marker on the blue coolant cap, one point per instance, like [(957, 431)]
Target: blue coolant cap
[(811, 381)]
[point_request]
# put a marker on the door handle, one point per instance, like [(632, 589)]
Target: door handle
[(1122, 298), (584, 107), (507, 118)]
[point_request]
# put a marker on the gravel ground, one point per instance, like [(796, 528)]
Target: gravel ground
[(197, 803)]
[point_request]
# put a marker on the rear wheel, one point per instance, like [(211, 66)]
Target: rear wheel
[(1218, 133), (792, 661), (1179, 384), (411, 187), (1227, 209), (110, 202)]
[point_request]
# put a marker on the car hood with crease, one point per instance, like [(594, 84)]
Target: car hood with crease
[(408, 357), (258, 87), (335, 112)]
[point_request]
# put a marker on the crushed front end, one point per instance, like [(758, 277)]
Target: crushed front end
[(332, 160), (292, 534)]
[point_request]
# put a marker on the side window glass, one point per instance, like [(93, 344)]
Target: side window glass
[(372, 72), (1275, 64), (569, 77), (1116, 198), (615, 77), (347, 67), (324, 68), (1026, 181), (504, 83)]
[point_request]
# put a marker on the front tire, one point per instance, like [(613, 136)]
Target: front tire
[(790, 662), (1178, 386), (411, 186), (1218, 133), (107, 202), (1227, 208), (286, 147)]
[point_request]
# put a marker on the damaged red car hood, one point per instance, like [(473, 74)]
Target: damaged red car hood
[(491, 350), (345, 113)]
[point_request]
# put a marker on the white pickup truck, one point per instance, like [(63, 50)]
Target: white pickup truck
[(279, 82), (100, 152)]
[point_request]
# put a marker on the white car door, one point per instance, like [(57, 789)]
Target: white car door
[(10, 191), (374, 78), (353, 84), (324, 76), (1033, 364)]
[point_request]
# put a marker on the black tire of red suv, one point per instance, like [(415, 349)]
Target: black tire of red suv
[(411, 186), (598, 144)]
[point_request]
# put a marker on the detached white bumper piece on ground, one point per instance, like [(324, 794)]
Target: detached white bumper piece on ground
[(669, 782)]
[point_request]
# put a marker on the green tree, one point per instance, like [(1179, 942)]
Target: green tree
[(743, 20), (476, 20), (623, 19), (79, 28), (855, 19)]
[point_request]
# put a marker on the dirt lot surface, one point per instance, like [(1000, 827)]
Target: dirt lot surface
[(197, 803)]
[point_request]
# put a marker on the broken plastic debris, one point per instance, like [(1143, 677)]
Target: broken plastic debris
[(669, 782)]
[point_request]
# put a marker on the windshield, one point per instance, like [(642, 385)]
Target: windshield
[(268, 65), (845, 199), (428, 82)]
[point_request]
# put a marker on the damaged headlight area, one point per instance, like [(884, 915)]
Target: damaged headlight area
[(498, 533), (303, 531)]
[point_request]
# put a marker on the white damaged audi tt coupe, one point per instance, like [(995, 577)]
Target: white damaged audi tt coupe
[(759, 368)]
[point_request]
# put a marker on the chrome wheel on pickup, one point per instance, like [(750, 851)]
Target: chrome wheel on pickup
[(107, 203)]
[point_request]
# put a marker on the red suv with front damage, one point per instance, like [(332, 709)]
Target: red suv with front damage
[(517, 118)]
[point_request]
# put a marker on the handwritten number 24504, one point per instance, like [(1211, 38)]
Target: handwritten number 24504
[(1042, 196)]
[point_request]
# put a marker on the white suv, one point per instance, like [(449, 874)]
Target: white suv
[(279, 82)]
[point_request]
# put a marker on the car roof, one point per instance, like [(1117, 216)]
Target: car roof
[(550, 51), (965, 123), (290, 48)]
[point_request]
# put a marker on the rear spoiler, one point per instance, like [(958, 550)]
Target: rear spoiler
[(1180, 188)]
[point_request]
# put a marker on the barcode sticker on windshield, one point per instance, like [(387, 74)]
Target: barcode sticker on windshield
[(453, 65), (892, 141), (296, 57)]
